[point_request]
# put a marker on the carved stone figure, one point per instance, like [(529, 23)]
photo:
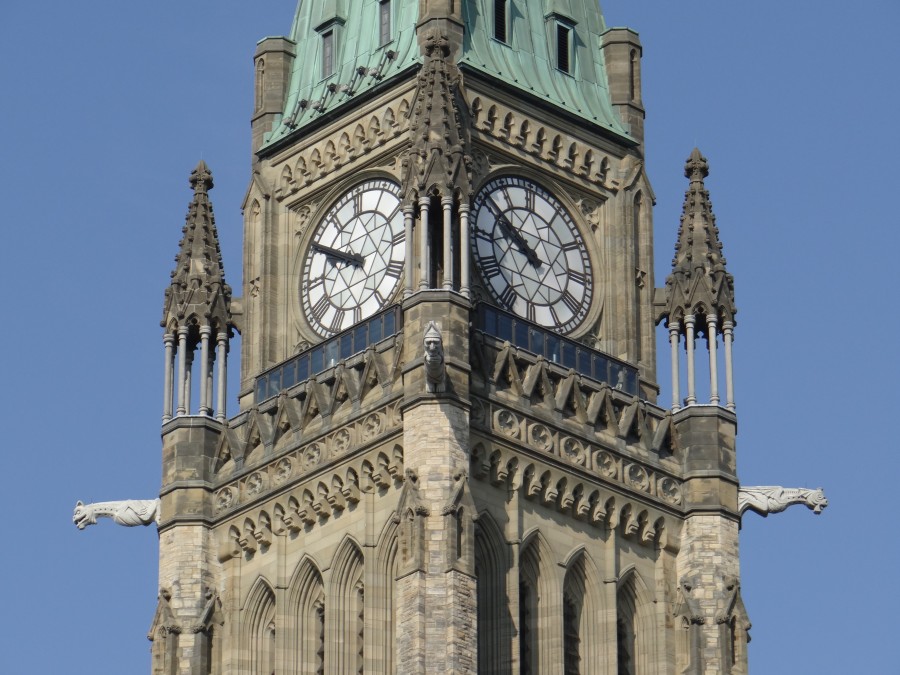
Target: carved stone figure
[(766, 499), (129, 512), (435, 369)]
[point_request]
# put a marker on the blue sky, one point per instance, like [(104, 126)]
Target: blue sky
[(106, 108)]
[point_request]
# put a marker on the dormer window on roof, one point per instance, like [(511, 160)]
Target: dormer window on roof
[(564, 47), (327, 53), (384, 22), (501, 21), (330, 31)]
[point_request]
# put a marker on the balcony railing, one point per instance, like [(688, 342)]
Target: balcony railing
[(556, 348), (326, 354)]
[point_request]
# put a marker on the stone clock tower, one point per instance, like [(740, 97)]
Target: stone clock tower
[(448, 455)]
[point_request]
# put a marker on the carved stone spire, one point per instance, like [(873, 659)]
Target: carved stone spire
[(440, 159), (198, 294), (699, 283)]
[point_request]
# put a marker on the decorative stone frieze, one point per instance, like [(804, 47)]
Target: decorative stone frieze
[(531, 382), (603, 462), (542, 143), (308, 503), (572, 494), (342, 147), (372, 429)]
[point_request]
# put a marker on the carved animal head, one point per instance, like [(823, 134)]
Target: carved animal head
[(83, 516), (816, 500)]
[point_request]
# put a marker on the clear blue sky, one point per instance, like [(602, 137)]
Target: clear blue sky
[(107, 106)]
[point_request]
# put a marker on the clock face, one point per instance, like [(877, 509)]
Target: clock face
[(355, 259), (530, 253)]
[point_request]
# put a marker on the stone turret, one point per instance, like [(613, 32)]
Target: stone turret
[(699, 293), (197, 308)]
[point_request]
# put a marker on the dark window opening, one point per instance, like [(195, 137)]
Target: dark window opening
[(500, 20), (563, 62)]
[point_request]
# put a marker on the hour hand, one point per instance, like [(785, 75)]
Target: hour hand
[(351, 258), (518, 240)]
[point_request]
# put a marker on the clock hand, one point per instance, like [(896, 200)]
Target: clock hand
[(351, 258), (510, 231)]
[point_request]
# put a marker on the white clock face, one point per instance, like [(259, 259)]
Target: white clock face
[(531, 256), (355, 259)]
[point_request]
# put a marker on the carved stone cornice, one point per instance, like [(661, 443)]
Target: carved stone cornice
[(542, 143), (585, 407), (521, 432), (574, 494), (308, 459), (306, 504), (361, 139)]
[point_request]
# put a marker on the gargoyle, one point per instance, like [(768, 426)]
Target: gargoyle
[(766, 499), (129, 512)]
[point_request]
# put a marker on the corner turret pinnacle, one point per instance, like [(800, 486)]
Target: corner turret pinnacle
[(198, 295), (439, 162), (699, 283)]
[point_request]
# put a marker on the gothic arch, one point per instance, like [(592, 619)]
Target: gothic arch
[(347, 597), (582, 616), (539, 637), (259, 629), (494, 621), (305, 639), (635, 625), (386, 618)]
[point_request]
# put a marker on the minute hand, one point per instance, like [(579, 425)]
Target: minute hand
[(518, 240), (352, 258)]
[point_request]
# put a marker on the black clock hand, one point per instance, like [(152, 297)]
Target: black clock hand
[(351, 258), (510, 231)]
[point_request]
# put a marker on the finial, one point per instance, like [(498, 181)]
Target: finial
[(696, 168), (201, 178)]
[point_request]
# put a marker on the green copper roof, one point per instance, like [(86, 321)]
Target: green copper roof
[(361, 62), (527, 60)]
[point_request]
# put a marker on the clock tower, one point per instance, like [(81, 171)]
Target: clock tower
[(449, 455)]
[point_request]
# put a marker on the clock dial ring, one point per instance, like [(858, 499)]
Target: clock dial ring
[(354, 261), (531, 255)]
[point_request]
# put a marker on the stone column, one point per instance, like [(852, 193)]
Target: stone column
[(205, 332), (183, 404), (674, 335), (222, 357), (168, 376), (408, 213), (447, 204), (464, 252), (689, 345), (424, 251), (711, 331), (728, 338)]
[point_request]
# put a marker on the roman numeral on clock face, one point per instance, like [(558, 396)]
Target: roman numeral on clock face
[(395, 269), (508, 297), (570, 302), (318, 310), (336, 322), (490, 268)]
